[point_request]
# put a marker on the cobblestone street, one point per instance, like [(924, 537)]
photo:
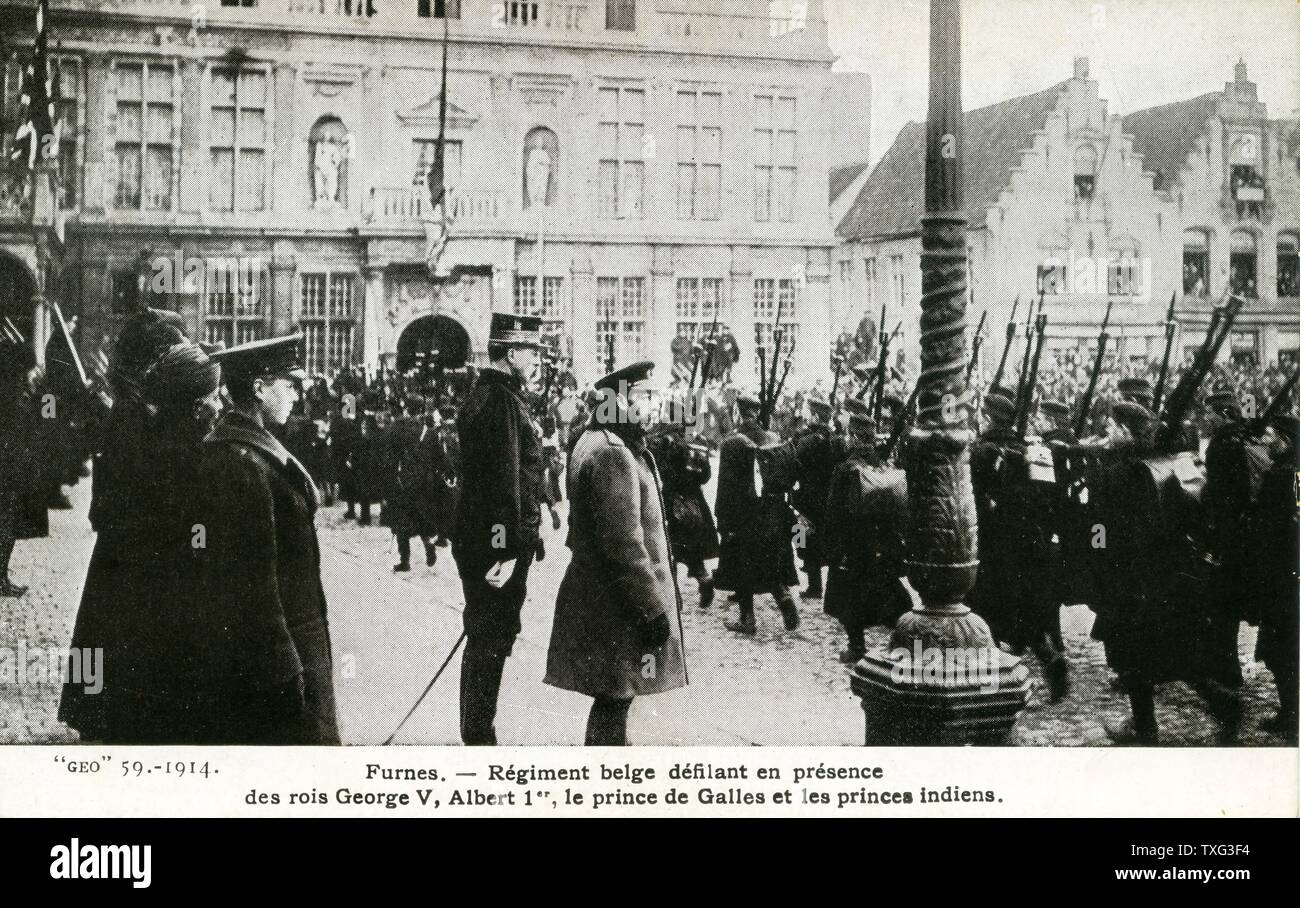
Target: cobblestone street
[(391, 631)]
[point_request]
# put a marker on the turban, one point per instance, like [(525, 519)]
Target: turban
[(182, 375)]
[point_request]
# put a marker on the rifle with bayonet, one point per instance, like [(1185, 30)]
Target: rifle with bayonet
[(708, 358), (1085, 406), (901, 419), (766, 387), (1260, 422), (1029, 347), (1025, 399), (1180, 399), (1006, 347), (785, 370), (1171, 328), (975, 345)]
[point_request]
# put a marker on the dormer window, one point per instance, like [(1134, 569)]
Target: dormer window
[(437, 9)]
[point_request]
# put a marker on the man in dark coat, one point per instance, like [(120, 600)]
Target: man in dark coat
[(498, 516), (1277, 523), (818, 453), (756, 553), (260, 564), (865, 527), (617, 629), (685, 468), (410, 504)]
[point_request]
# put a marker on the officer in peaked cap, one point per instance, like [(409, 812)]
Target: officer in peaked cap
[(1003, 391), (999, 408), (1137, 390), (617, 609), (498, 516), (260, 568)]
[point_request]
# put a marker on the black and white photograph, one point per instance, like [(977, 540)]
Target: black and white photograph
[(812, 373)]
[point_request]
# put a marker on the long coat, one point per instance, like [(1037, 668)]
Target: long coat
[(866, 521), (690, 520), (262, 589), (621, 575), (757, 552), (138, 604), (410, 504)]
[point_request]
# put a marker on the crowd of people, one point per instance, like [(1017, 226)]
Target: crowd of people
[(209, 466)]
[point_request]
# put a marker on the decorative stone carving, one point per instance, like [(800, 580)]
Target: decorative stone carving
[(541, 168)]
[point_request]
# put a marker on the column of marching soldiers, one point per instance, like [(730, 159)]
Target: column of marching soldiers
[(1170, 512)]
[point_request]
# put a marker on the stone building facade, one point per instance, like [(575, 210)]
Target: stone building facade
[(624, 167), (1094, 208)]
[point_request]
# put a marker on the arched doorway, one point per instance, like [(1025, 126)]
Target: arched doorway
[(16, 291), (433, 333)]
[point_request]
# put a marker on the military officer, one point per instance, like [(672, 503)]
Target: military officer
[(260, 565), (1057, 415), (498, 515), (1278, 522), (684, 469), (617, 630), (1137, 390)]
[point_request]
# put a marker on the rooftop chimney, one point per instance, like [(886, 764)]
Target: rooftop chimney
[(1239, 71), (1081, 67)]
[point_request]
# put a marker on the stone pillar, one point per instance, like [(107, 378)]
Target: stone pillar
[(284, 174), (978, 690), (812, 361), (662, 314), (371, 306), (194, 146), (741, 295), (95, 189), (283, 270), (586, 364)]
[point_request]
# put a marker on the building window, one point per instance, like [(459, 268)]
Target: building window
[(622, 168), (768, 295), (1245, 348), (775, 171), (897, 283), (68, 112), (144, 136), (233, 308), (699, 155), (425, 149), (869, 276), (1242, 265), (1196, 263), (525, 302), (620, 319), (620, 15), (245, 3), (846, 277), (552, 309), (326, 320), (699, 302), (238, 141), (1123, 274), (437, 9), (1288, 264), (1245, 181), (1288, 349), (1085, 173), (519, 12)]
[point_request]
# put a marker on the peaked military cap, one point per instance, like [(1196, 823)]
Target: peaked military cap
[(1055, 408), (999, 405), (627, 376), (1221, 399), (517, 330), (748, 402), (271, 356), (821, 408), (1003, 390), (1136, 387), (1128, 413), (893, 402), (856, 407)]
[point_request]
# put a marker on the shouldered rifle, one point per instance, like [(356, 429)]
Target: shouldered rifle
[(872, 391), (765, 414), (1085, 406), (835, 385), (785, 370), (1171, 327), (976, 344), (1011, 339), (1260, 422), (1025, 400), (1029, 347), (1180, 399), (901, 419), (761, 353)]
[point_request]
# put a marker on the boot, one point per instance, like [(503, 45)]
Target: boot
[(1225, 705), (1141, 728), (745, 624), (555, 519), (789, 614), (706, 593), (1058, 678), (814, 590), (851, 655)]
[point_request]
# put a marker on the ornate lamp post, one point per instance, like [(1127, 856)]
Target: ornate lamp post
[(942, 679)]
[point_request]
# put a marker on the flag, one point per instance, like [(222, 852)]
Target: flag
[(437, 225), (38, 127)]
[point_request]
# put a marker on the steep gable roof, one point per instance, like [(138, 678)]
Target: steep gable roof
[(1166, 135), (893, 198), (841, 178)]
